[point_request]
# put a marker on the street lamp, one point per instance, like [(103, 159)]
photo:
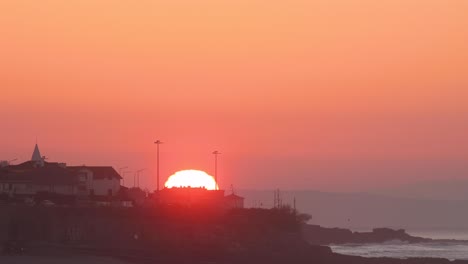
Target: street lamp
[(138, 177), (125, 172), (157, 142), (216, 153)]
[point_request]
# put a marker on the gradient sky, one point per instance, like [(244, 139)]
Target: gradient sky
[(327, 94)]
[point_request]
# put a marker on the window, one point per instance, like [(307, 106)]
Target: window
[(91, 192), (109, 192)]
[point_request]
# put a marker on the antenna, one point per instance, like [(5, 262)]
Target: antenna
[(277, 202), (274, 199)]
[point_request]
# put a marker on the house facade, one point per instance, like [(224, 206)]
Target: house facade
[(97, 180)]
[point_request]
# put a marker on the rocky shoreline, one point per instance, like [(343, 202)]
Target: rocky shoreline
[(318, 235)]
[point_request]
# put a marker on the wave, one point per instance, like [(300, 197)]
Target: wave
[(400, 249)]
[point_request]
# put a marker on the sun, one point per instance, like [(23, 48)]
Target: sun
[(191, 178)]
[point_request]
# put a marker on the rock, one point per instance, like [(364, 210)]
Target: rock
[(318, 235)]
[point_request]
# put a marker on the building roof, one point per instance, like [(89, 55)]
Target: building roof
[(234, 197), (50, 173), (37, 171), (99, 172)]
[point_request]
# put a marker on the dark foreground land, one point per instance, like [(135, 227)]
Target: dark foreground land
[(164, 235)]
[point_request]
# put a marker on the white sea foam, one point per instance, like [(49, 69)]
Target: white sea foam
[(399, 249)]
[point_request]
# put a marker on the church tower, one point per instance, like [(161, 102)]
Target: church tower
[(36, 157)]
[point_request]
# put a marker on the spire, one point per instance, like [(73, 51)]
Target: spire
[(36, 156)]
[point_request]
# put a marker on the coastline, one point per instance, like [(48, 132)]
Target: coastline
[(172, 235)]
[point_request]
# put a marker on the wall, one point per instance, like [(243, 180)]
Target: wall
[(101, 186)]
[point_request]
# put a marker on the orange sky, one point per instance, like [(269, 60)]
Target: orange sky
[(325, 94)]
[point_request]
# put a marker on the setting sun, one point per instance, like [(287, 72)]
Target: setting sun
[(191, 178)]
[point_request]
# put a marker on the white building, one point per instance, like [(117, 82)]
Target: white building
[(97, 180)]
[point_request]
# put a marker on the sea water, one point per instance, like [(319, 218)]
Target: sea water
[(398, 249)]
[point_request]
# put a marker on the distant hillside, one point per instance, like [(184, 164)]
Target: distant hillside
[(367, 211), (454, 189)]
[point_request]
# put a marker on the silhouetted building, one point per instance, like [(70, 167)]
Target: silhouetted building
[(38, 176), (135, 194), (234, 201), (189, 196), (28, 179)]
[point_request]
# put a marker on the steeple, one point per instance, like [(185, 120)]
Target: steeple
[(36, 156)]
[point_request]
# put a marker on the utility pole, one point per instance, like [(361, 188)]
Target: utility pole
[(274, 199), (216, 153), (277, 202), (157, 142)]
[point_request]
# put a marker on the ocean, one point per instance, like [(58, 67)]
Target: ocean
[(399, 249)]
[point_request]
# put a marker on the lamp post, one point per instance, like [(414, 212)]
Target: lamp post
[(216, 153), (125, 172), (157, 142), (138, 177)]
